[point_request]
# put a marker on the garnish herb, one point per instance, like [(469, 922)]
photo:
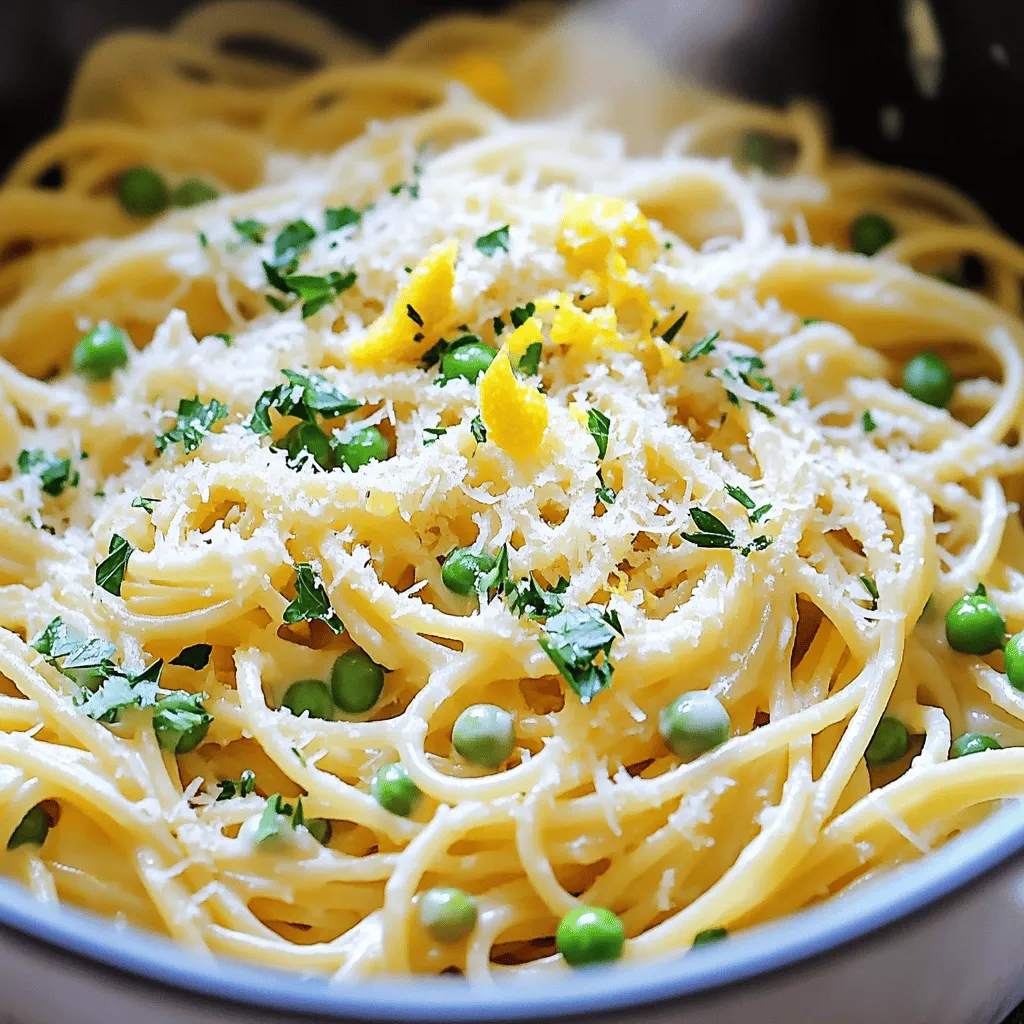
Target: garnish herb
[(270, 825), (700, 348), (251, 230), (316, 292), (712, 532), (311, 600), (494, 240), (291, 243), (195, 657), (499, 325), (434, 435), (759, 513), (54, 473), (741, 496), (244, 786), (118, 692), (305, 396), (300, 757), (496, 577), (599, 424), (674, 328), (872, 588), (204, 242), (574, 640), (479, 430), (521, 314), (867, 421), (527, 597), (194, 422), (338, 217), (605, 494), (144, 503), (796, 394), (411, 313), (530, 361), (110, 572), (808, 320), (226, 338)]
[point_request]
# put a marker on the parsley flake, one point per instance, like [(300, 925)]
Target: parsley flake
[(574, 640), (872, 588), (712, 532), (251, 230), (479, 430), (867, 421), (495, 578), (305, 396), (411, 313), (294, 239), (741, 496), (498, 324), (317, 292), (54, 473), (674, 328), (759, 513), (530, 361), (599, 425), (110, 572), (435, 435), (144, 503), (194, 422), (493, 241), (338, 217), (705, 346), (311, 600), (196, 657), (245, 786), (521, 314), (527, 597)]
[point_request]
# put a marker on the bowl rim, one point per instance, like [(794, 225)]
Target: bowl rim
[(149, 960)]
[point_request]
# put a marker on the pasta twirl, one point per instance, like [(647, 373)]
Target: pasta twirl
[(461, 502)]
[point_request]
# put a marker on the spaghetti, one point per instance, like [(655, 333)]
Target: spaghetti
[(392, 628)]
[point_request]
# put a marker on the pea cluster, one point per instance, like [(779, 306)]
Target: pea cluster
[(355, 687), (974, 625), (143, 192)]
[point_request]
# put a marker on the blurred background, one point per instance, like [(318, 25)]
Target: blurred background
[(850, 55)]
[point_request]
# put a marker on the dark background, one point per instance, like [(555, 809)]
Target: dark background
[(850, 55)]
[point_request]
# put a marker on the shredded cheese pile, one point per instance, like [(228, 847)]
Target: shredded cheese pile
[(684, 351)]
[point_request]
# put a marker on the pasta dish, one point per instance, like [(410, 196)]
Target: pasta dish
[(439, 536)]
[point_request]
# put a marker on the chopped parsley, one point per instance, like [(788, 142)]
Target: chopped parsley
[(243, 787), (194, 422), (521, 314), (711, 531), (674, 328), (411, 313), (759, 513), (433, 435), (311, 600), (479, 430), (496, 578), (305, 396), (338, 217), (110, 572), (493, 241), (195, 657), (795, 395), (872, 588), (575, 640), (527, 597), (300, 757), (144, 503), (530, 361), (54, 473), (315, 292), (118, 692), (808, 320), (605, 494), (599, 424), (867, 421), (271, 825), (741, 496), (226, 338), (251, 230), (293, 240), (204, 242), (705, 346), (499, 325)]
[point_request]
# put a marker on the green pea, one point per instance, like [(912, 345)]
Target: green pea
[(193, 192), (693, 724), (871, 232), (100, 352), (32, 830), (307, 437), (463, 567), (759, 149), (484, 734), (974, 625), (356, 682), (973, 743), (180, 721), (928, 378), (467, 361), (320, 829), (590, 935), (449, 914), (395, 791), (363, 447), (1013, 656), (309, 695), (143, 192), (889, 743), (709, 936)]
